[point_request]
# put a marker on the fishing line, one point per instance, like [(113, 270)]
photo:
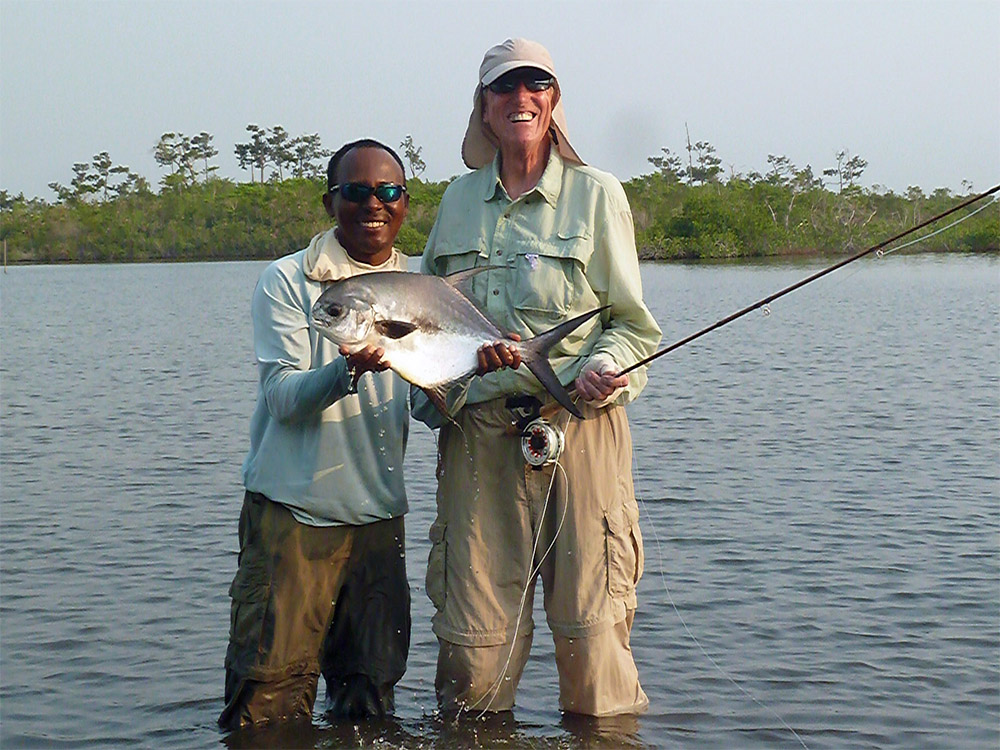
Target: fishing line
[(714, 663), (882, 253), (533, 573), (938, 231), (766, 301), (495, 688), (764, 306)]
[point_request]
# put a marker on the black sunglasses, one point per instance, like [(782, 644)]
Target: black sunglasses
[(533, 80), (359, 192)]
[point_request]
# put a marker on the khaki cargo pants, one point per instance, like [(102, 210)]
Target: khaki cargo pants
[(308, 600), (499, 527)]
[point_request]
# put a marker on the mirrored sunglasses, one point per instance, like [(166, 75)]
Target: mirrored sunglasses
[(359, 192), (533, 80)]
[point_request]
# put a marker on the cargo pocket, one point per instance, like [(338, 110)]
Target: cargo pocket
[(624, 549), (250, 592), (436, 566)]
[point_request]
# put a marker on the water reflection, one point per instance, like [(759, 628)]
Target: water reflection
[(491, 730), (602, 731)]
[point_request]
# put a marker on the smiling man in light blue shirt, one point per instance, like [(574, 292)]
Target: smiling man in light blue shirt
[(321, 586)]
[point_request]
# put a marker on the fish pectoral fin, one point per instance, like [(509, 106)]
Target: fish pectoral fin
[(395, 329)]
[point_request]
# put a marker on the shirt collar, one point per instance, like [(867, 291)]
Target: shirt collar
[(548, 186), (552, 178), (327, 260), (493, 187)]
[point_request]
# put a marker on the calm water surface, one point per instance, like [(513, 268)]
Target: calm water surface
[(820, 496)]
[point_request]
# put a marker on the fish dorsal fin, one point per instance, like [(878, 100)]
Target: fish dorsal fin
[(395, 329), (460, 277)]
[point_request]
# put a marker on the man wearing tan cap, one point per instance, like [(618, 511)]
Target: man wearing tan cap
[(560, 239)]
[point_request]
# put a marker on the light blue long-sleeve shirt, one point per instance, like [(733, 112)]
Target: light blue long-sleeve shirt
[(330, 456)]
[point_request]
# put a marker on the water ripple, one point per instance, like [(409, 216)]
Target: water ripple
[(820, 500)]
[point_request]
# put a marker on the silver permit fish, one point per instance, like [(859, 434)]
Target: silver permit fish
[(429, 330)]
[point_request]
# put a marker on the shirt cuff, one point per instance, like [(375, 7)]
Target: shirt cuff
[(602, 362)]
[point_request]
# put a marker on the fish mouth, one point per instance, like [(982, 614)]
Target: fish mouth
[(320, 317)]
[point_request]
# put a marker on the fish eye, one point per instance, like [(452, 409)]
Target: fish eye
[(335, 310)]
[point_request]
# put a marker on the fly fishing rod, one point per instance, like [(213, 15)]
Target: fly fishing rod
[(808, 280), (540, 446)]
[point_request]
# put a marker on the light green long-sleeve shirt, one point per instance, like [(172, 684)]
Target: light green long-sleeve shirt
[(330, 456), (563, 248)]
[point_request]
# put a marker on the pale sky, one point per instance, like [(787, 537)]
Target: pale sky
[(912, 86)]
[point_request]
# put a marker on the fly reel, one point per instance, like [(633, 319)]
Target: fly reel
[(541, 443)]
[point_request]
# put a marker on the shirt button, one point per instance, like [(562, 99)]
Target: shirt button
[(496, 292), (499, 252)]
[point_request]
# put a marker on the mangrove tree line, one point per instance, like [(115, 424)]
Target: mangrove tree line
[(687, 207)]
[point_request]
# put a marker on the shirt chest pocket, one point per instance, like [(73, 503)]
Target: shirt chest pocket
[(452, 257), (549, 275)]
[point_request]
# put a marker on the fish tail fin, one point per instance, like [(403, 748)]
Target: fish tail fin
[(534, 354)]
